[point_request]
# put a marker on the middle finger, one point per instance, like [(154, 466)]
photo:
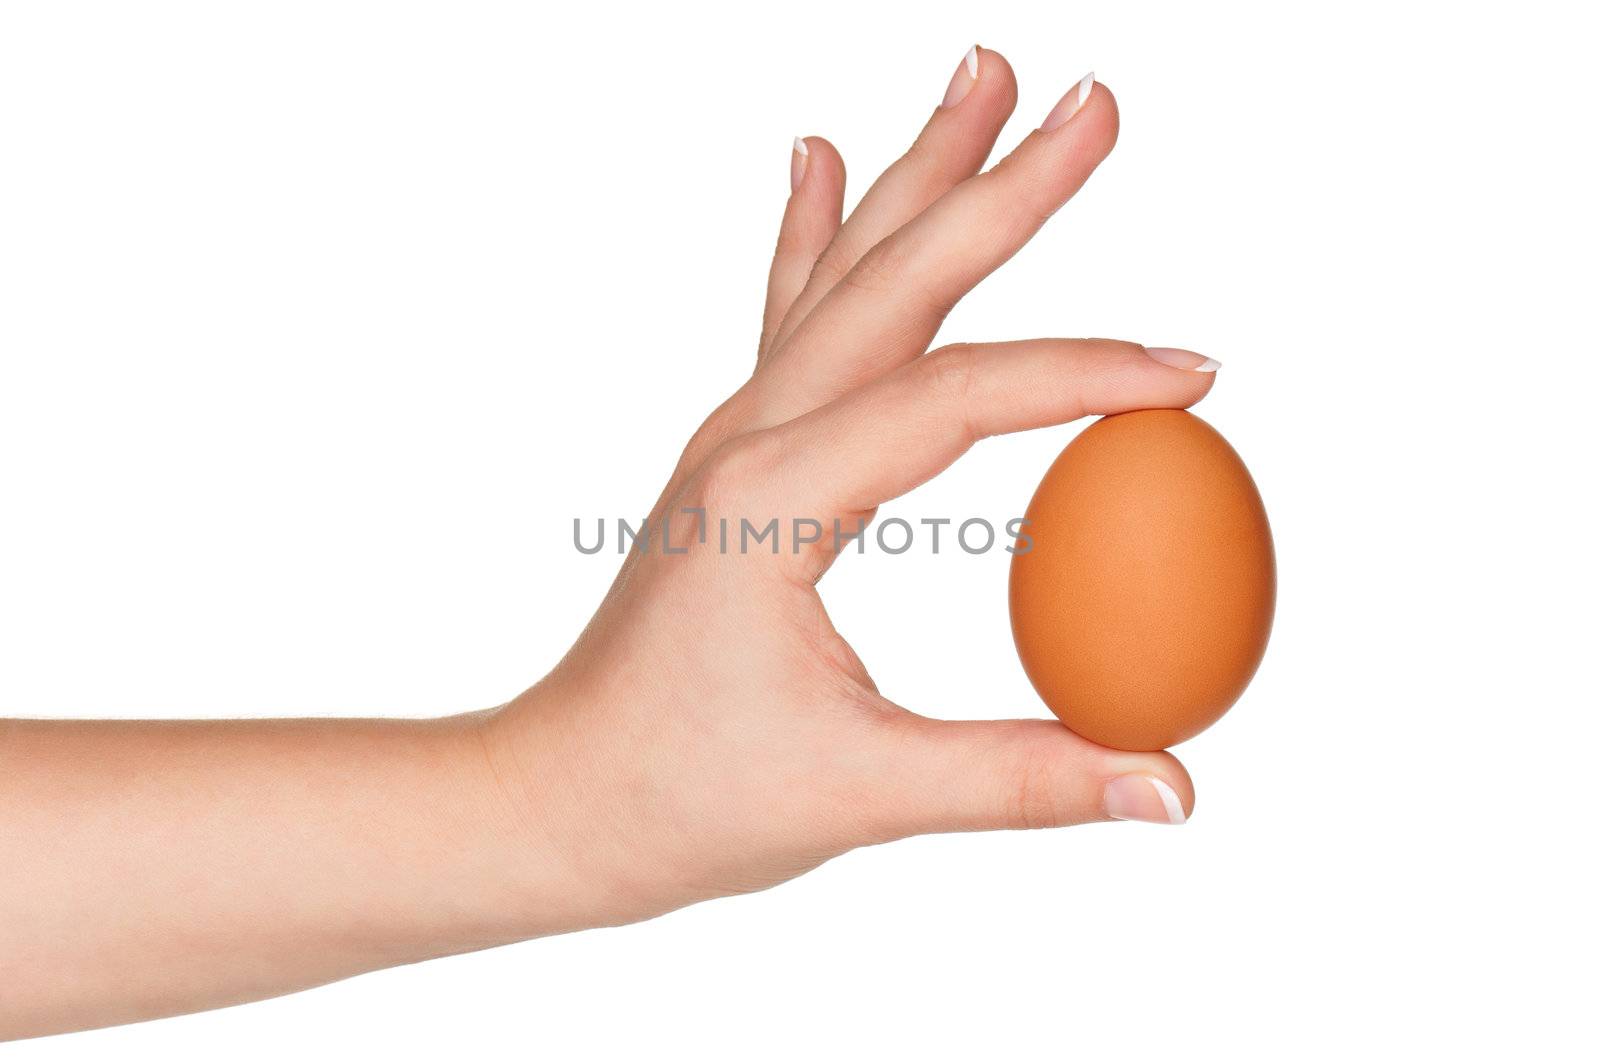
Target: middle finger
[(951, 147), (887, 310)]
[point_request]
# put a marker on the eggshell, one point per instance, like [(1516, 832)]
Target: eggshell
[(1143, 607)]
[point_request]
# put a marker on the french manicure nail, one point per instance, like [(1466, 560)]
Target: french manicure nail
[(1182, 359), (1070, 104), (1144, 798), (963, 79), (797, 163)]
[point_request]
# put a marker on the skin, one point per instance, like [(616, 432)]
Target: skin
[(710, 733)]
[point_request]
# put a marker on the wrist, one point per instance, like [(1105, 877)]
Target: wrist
[(507, 881), (571, 846)]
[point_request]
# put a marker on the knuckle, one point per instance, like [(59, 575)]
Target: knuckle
[(1106, 354), (1031, 794), (937, 168), (835, 262), (734, 470), (879, 270), (712, 431), (792, 243), (920, 154), (898, 264), (722, 424), (949, 375), (1024, 197)]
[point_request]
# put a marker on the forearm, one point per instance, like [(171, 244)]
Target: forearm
[(152, 867)]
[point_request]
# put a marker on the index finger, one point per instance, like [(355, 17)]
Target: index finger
[(880, 441)]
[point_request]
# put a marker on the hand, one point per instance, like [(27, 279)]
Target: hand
[(711, 733)]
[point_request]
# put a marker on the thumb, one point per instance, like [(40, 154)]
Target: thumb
[(1011, 774)]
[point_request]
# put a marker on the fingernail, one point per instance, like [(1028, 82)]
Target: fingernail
[(965, 77), (1144, 798), (797, 163), (1070, 104), (1181, 359)]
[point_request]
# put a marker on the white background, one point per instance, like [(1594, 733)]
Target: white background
[(319, 322)]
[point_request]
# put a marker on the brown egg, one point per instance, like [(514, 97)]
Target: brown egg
[(1142, 608)]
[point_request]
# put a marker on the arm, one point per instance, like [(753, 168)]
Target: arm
[(157, 867)]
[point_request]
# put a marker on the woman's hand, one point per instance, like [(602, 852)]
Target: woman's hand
[(711, 733)]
